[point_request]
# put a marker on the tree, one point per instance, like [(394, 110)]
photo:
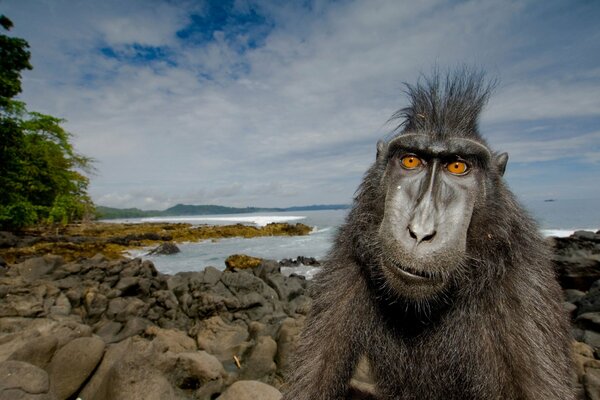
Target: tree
[(41, 175)]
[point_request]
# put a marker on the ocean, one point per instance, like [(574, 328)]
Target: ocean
[(556, 218)]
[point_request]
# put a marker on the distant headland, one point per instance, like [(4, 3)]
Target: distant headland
[(185, 209)]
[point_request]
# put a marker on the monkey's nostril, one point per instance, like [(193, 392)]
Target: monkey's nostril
[(411, 233), (427, 238)]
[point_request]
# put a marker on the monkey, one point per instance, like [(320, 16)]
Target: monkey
[(438, 276)]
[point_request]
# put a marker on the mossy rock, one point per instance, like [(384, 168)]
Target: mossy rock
[(76, 241), (242, 261)]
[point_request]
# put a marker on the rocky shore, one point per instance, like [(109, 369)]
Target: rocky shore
[(75, 241), (98, 328)]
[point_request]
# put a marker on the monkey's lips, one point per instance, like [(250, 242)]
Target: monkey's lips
[(412, 281), (418, 275)]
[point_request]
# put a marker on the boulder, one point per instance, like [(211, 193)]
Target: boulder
[(250, 390), (221, 339), (197, 373), (22, 377), (242, 261), (171, 339), (259, 364), (165, 249), (130, 373), (37, 351), (591, 382), (73, 364), (287, 341), (33, 269)]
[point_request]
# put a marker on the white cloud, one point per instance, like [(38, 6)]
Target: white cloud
[(295, 120)]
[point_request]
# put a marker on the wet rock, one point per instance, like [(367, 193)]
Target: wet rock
[(165, 249)]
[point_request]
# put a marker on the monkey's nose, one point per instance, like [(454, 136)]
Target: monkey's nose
[(421, 235)]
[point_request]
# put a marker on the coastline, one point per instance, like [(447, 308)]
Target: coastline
[(99, 328)]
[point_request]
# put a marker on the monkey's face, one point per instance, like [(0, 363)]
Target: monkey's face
[(432, 187)]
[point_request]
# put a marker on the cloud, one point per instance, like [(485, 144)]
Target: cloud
[(281, 103)]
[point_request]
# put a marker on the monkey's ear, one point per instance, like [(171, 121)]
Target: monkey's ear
[(501, 160), (381, 149)]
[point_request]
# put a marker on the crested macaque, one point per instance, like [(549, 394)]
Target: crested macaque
[(438, 276)]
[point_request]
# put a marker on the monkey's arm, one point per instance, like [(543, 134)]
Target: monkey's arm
[(332, 339)]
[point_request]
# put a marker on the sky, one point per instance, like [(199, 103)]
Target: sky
[(280, 103)]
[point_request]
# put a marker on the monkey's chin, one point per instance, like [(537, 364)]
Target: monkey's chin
[(412, 283)]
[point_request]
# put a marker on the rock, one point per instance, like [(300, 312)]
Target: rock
[(133, 286), (590, 302), (242, 261), (33, 269), (113, 354), (590, 320), (572, 295), (108, 330), (250, 390), (287, 341), (591, 383), (221, 339), (592, 338), (95, 303), (130, 374), (37, 351), (8, 239), (23, 377), (165, 249), (134, 326), (73, 364), (260, 364), (211, 275), (198, 372), (287, 288), (171, 339), (577, 260), (62, 305), (121, 309)]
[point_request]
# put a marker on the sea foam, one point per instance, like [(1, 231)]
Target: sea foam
[(258, 220)]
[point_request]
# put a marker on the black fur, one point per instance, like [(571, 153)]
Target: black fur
[(498, 331)]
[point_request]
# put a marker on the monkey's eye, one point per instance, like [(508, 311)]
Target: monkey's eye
[(457, 167), (410, 162)]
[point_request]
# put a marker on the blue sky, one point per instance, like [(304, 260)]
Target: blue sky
[(272, 103)]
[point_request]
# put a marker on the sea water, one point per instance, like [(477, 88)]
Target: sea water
[(556, 218)]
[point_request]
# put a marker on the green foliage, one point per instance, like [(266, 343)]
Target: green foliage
[(41, 177)]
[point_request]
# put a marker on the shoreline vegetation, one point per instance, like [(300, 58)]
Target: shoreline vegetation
[(98, 328), (107, 213), (84, 240)]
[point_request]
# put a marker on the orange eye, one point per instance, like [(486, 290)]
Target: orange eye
[(457, 167), (410, 162)]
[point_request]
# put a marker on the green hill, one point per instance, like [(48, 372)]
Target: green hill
[(103, 212)]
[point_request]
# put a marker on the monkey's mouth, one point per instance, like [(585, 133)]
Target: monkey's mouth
[(419, 276)]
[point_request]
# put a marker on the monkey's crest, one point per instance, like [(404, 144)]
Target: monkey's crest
[(444, 106)]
